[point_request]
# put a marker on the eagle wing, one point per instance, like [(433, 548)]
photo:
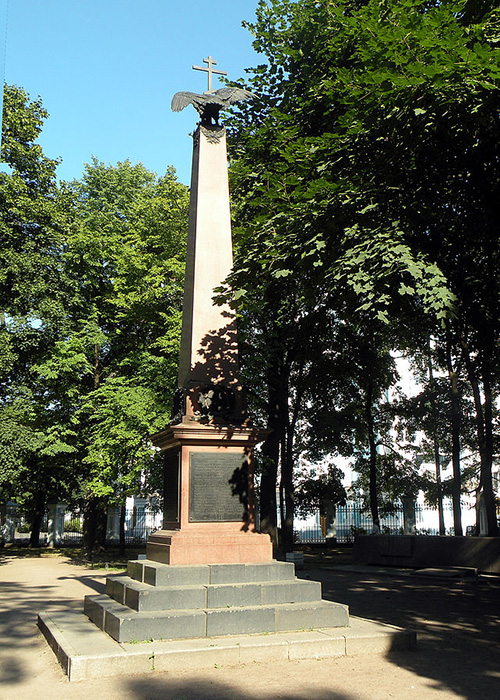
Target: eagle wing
[(223, 97), (183, 99), (229, 95)]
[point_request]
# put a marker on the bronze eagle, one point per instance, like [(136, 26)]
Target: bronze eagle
[(210, 104)]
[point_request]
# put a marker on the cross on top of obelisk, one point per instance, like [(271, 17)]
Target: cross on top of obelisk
[(210, 70)]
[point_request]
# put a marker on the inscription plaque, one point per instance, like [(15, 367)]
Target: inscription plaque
[(171, 488), (218, 487)]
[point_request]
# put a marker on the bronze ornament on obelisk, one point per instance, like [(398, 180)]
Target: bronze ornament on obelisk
[(209, 511)]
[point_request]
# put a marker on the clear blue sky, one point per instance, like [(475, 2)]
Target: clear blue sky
[(106, 71)]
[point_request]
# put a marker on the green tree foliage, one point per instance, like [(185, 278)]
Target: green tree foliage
[(32, 224), (366, 173), (91, 283), (124, 267), (35, 435), (316, 492)]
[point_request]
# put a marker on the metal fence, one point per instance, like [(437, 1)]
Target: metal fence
[(352, 520), (139, 524)]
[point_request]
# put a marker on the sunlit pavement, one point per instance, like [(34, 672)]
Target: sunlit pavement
[(457, 657)]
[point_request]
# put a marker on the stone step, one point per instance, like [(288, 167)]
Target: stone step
[(126, 625), (85, 652), (156, 574), (141, 596)]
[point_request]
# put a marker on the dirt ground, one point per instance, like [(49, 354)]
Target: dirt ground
[(457, 657)]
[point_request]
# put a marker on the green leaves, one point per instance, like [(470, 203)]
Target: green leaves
[(92, 283), (365, 179), (31, 225), (124, 262)]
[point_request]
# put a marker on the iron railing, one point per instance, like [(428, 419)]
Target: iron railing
[(352, 520)]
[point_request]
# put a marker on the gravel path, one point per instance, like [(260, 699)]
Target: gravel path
[(458, 654)]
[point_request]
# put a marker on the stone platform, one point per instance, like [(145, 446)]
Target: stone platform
[(161, 617), (160, 601), (84, 651), (417, 551)]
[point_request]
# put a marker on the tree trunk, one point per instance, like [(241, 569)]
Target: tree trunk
[(37, 520), (3, 516), (370, 425), (123, 514), (455, 421), (94, 524), (89, 525), (486, 465), (485, 441), (437, 462), (287, 484), (288, 464), (277, 404), (267, 500), (437, 455)]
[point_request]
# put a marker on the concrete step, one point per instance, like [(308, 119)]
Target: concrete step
[(141, 596), (85, 652), (156, 574), (125, 625)]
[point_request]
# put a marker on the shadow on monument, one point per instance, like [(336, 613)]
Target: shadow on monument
[(214, 397), (458, 624), (213, 388)]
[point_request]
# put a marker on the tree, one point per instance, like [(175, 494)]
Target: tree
[(359, 166), (325, 165), (318, 492), (92, 281), (34, 434), (124, 267), (32, 224)]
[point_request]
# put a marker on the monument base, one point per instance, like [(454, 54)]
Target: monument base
[(209, 509), (214, 543), (160, 601)]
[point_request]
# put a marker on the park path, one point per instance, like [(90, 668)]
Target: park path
[(458, 656)]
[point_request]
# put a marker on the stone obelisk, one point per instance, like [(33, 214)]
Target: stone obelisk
[(208, 573), (209, 512)]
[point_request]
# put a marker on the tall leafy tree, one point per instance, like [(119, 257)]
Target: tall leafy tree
[(32, 224), (359, 169), (35, 435), (124, 267), (91, 284)]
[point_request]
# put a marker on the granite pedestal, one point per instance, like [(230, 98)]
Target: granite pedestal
[(160, 601)]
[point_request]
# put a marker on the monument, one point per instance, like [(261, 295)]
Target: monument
[(209, 510), (208, 574), (209, 550)]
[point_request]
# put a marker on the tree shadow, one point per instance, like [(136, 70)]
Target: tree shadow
[(98, 586), (209, 389), (457, 622), (18, 616), (20, 604), (206, 688), (218, 356)]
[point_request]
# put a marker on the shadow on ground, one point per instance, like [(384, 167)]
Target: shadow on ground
[(20, 603), (206, 689), (458, 623)]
